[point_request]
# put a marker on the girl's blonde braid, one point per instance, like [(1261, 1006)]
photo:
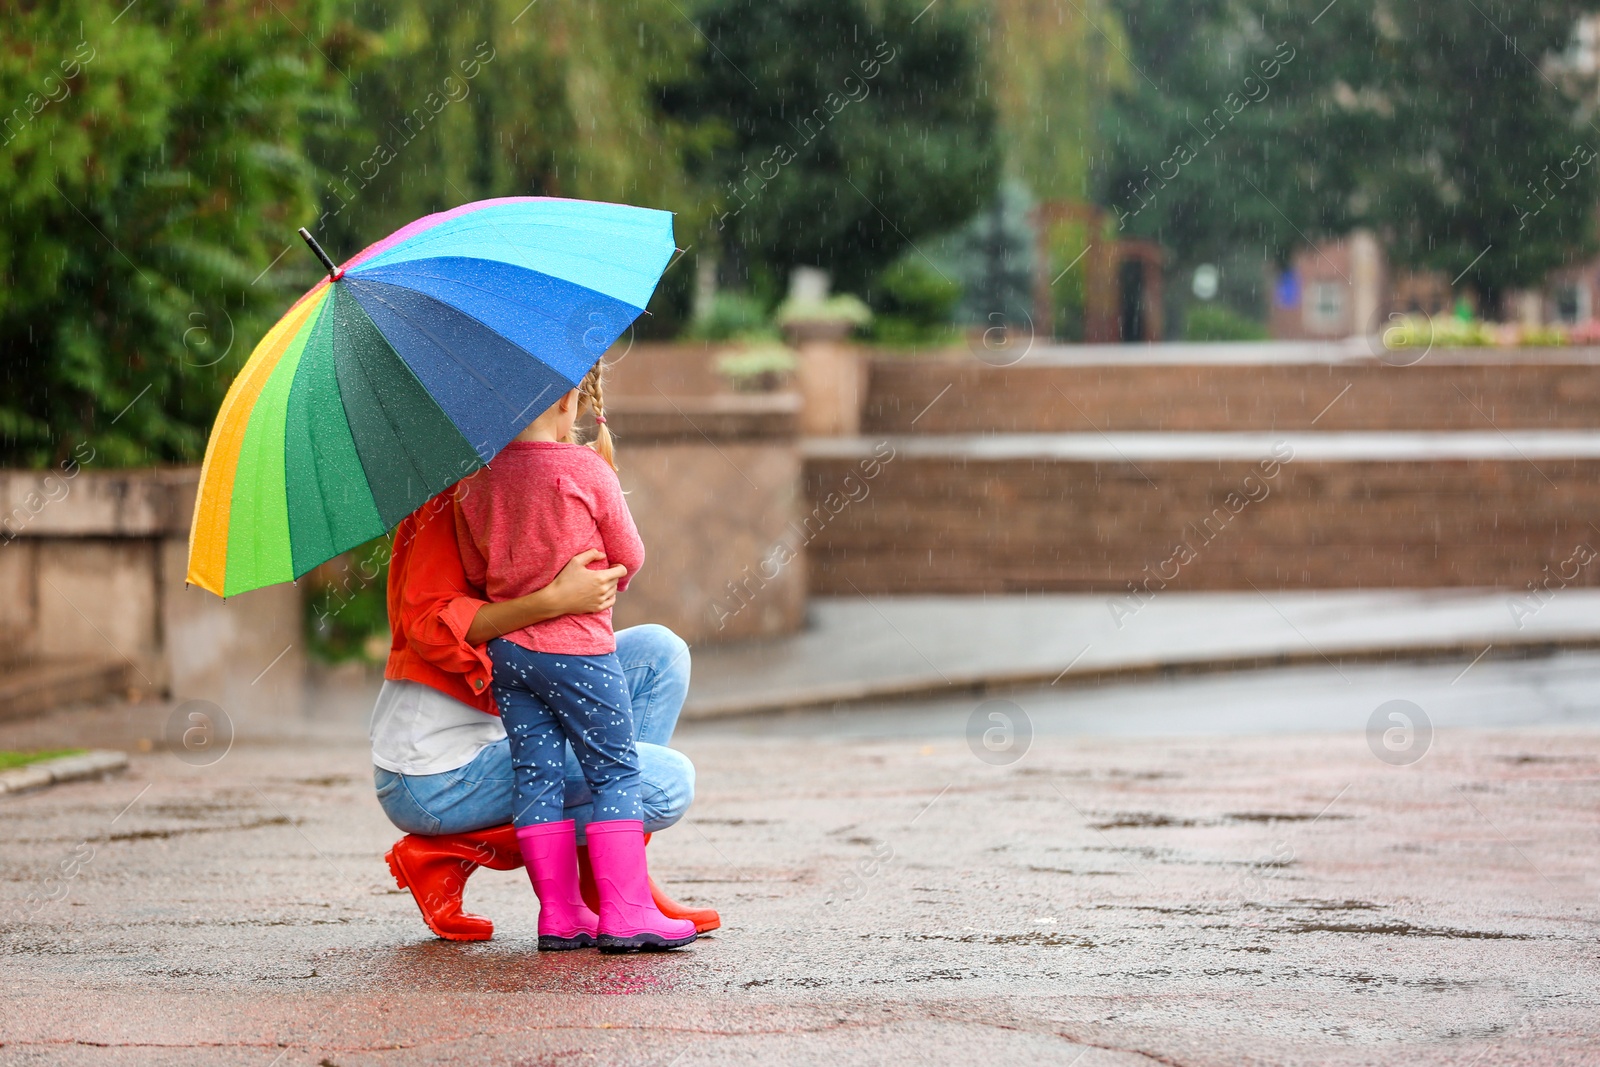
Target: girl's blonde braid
[(591, 394)]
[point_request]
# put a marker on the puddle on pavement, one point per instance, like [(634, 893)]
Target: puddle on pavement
[(1041, 938), (943, 975), (1279, 816), (1544, 759), (1140, 820), (1397, 929), (1146, 820), (162, 835), (1336, 905)]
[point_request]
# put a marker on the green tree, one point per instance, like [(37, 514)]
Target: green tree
[(992, 259), (1258, 123), (1446, 130), (1052, 64), (848, 131), (505, 98), (152, 165), (1177, 170)]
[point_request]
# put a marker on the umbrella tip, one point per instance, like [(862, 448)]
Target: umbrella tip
[(334, 272)]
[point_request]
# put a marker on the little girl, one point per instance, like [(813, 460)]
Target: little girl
[(543, 500)]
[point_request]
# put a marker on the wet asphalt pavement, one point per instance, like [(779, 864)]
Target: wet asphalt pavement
[(1110, 895)]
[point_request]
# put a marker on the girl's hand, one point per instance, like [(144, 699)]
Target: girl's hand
[(579, 590)]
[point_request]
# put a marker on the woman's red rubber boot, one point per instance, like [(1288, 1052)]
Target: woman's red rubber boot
[(436, 869), (705, 919)]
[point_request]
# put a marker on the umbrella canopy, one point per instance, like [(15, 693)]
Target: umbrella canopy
[(407, 369)]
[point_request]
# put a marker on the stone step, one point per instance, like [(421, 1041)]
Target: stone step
[(1553, 389), (882, 648), (28, 688), (1134, 514)]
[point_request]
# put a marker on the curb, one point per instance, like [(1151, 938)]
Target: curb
[(94, 764), (871, 691)]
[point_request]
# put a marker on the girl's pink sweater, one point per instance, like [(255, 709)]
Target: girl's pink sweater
[(524, 516)]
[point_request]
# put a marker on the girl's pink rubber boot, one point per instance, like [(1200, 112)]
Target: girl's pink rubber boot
[(629, 918), (550, 851)]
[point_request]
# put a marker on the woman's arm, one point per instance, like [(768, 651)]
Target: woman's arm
[(577, 590), (436, 633)]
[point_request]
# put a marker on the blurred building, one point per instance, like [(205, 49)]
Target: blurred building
[(1122, 279), (1345, 287), (1334, 289)]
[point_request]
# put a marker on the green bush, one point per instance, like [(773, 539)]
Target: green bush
[(1543, 337), (913, 290), (731, 316), (1444, 331), (841, 307), (914, 304), (759, 366), (1214, 322), (155, 159), (892, 331)]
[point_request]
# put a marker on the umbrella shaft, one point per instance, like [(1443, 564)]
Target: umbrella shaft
[(333, 271)]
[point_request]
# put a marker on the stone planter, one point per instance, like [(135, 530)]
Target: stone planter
[(832, 378)]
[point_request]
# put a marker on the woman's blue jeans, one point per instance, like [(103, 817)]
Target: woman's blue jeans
[(655, 662)]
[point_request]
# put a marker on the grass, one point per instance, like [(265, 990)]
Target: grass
[(12, 760)]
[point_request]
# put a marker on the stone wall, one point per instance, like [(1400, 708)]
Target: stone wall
[(961, 511), (92, 563), (1533, 389), (713, 483), (92, 567), (653, 369), (968, 525)]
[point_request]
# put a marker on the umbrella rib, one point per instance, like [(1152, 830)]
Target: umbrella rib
[(404, 451), (496, 295), (424, 240), (323, 511), (447, 350), (501, 296), (314, 484)]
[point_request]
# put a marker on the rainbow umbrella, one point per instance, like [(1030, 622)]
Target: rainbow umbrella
[(407, 369)]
